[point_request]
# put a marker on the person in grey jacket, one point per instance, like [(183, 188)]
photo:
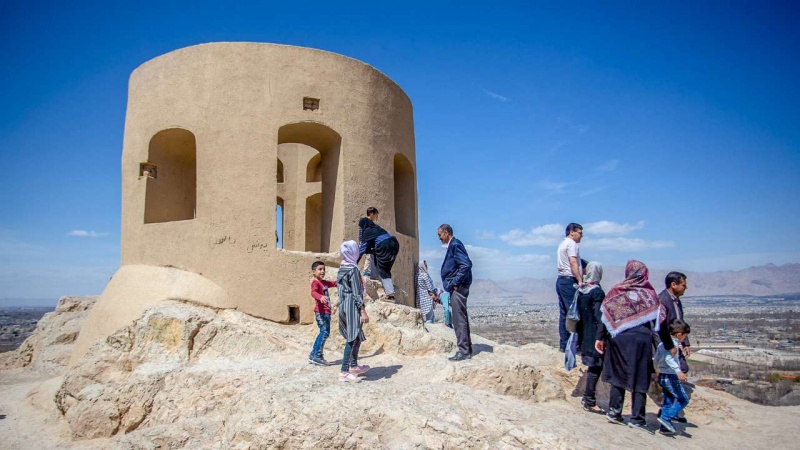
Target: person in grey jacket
[(671, 377)]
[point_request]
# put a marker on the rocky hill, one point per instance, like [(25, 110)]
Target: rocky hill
[(766, 280), (185, 376)]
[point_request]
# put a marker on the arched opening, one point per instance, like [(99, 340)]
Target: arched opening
[(311, 178), (279, 176), (405, 196), (313, 172), (313, 222), (172, 195), (279, 223)]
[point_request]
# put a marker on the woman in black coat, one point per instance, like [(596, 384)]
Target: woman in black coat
[(590, 297)]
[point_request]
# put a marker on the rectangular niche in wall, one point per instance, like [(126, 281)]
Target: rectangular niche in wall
[(310, 104), (294, 314)]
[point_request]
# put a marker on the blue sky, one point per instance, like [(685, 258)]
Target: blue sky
[(669, 131)]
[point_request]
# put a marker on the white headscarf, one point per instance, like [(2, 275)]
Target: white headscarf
[(349, 252), (591, 280)]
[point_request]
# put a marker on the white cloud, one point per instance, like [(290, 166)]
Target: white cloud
[(496, 96), (556, 147), (84, 233), (576, 127), (545, 236), (621, 244), (554, 187), (608, 166), (593, 191), (493, 263), (484, 235), (612, 228), (610, 237)]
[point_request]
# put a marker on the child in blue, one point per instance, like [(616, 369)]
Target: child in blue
[(670, 378)]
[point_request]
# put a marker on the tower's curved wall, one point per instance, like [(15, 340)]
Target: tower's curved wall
[(232, 130)]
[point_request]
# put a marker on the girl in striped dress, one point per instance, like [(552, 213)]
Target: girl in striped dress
[(352, 313)]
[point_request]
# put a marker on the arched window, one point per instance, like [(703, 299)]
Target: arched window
[(405, 196), (309, 152), (172, 195), (313, 172), (279, 177), (279, 223)]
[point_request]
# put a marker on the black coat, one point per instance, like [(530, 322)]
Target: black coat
[(674, 311), (589, 326)]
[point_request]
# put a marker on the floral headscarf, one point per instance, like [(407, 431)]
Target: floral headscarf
[(632, 302)]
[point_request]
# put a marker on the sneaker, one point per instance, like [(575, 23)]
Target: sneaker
[(680, 419), (317, 361), (348, 378), (615, 419), (640, 426), (663, 430), (667, 425), (359, 369)]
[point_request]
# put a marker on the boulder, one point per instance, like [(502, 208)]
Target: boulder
[(49, 347)]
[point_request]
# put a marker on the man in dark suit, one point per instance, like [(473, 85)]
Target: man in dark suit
[(457, 278), (671, 299)]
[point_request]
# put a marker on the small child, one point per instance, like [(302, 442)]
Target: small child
[(352, 313), (322, 311), (670, 378)]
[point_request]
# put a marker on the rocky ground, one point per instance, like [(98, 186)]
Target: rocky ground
[(187, 376)]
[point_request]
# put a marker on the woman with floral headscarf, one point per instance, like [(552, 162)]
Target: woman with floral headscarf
[(351, 312), (630, 313)]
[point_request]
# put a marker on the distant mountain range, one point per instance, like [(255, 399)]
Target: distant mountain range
[(765, 280), (28, 302)]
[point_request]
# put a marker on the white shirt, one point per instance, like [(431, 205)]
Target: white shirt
[(567, 248)]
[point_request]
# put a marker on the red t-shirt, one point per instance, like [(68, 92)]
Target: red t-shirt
[(319, 289)]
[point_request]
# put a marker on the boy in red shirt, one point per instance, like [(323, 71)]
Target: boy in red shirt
[(322, 311)]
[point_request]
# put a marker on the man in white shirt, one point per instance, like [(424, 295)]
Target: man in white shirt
[(569, 277)]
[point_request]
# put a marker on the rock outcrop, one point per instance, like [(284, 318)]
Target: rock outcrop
[(50, 345), (190, 376)]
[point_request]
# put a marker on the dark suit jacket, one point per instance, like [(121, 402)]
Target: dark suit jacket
[(456, 267), (673, 308)]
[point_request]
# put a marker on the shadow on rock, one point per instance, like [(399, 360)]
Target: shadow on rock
[(480, 348), (377, 373), (602, 391)]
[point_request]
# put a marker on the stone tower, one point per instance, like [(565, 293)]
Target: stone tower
[(228, 145)]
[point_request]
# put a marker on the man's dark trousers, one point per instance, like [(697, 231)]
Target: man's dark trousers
[(565, 288), (458, 304)]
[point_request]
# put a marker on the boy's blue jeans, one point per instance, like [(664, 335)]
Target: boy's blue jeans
[(324, 324), (675, 398)]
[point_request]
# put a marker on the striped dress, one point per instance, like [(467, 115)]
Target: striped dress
[(424, 286), (351, 302)]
